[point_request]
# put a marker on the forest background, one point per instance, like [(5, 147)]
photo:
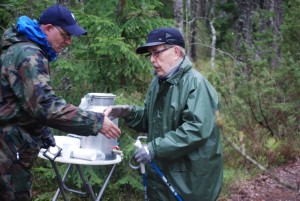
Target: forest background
[(248, 50)]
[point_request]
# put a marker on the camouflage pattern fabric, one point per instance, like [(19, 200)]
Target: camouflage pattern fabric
[(18, 152), (28, 105), (28, 96)]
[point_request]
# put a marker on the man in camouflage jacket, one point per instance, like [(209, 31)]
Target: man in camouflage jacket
[(28, 104)]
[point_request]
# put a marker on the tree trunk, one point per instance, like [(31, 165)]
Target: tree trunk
[(273, 23), (266, 23), (195, 5), (178, 15), (244, 30), (213, 34)]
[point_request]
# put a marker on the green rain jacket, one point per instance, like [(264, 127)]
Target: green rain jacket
[(183, 139)]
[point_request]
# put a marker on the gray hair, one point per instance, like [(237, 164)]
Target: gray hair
[(182, 50)]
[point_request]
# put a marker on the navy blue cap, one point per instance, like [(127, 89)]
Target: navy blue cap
[(61, 16), (161, 36)]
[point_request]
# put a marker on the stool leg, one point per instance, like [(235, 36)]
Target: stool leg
[(60, 182), (105, 183), (87, 185)]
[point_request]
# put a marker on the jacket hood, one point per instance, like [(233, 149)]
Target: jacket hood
[(27, 30)]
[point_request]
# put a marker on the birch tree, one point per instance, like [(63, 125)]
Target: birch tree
[(213, 34)]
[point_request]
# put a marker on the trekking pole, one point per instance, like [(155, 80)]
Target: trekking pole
[(162, 176), (138, 144)]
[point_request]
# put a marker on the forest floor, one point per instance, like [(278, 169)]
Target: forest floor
[(265, 188)]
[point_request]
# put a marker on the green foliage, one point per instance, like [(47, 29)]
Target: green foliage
[(272, 144), (105, 59), (291, 30), (5, 16), (289, 75), (226, 16), (260, 101), (10, 10), (44, 178)]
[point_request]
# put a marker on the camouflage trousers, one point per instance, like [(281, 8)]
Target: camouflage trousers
[(18, 152)]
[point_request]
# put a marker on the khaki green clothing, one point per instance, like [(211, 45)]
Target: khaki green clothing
[(179, 119), (18, 152), (28, 106)]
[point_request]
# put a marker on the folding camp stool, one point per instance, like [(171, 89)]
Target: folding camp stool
[(77, 163)]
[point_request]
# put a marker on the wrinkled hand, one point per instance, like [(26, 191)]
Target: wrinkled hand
[(142, 155), (117, 111), (47, 138), (109, 129)]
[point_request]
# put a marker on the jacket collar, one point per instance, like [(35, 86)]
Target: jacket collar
[(185, 65), (31, 30)]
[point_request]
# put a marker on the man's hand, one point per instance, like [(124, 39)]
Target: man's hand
[(143, 155), (109, 129), (47, 138), (118, 111)]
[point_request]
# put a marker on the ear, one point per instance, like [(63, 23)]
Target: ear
[(47, 28), (177, 51)]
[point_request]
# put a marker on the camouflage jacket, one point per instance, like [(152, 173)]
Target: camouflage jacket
[(27, 98)]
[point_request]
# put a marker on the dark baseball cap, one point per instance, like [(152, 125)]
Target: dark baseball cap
[(166, 35), (61, 16)]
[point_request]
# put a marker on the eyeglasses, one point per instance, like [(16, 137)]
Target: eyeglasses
[(66, 36), (156, 54)]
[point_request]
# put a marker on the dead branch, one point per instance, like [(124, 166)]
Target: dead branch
[(219, 122)]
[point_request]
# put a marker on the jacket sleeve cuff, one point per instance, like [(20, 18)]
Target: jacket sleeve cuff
[(151, 151), (131, 114)]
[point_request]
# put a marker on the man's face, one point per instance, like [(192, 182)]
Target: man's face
[(163, 58), (58, 38)]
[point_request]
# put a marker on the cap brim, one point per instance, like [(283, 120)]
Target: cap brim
[(144, 49), (75, 30)]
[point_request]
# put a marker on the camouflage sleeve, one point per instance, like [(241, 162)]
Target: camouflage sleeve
[(30, 82)]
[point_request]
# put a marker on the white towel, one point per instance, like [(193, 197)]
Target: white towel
[(85, 154)]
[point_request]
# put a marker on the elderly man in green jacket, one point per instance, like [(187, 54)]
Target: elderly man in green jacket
[(179, 119)]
